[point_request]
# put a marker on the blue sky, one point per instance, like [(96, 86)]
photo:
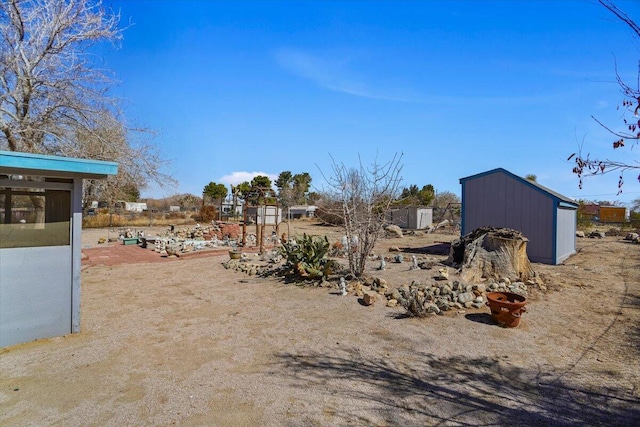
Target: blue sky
[(460, 87)]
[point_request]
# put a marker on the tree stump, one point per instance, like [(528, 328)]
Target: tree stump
[(489, 252)]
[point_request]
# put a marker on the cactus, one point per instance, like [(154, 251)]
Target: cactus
[(307, 257)]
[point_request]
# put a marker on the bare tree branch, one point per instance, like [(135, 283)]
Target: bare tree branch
[(53, 97), (361, 197)]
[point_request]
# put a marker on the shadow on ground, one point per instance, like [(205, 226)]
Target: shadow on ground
[(435, 249), (454, 391)]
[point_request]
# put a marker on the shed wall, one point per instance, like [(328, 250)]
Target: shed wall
[(35, 296), (566, 234), (411, 217), (497, 200)]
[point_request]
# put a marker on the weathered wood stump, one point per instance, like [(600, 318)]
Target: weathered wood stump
[(489, 252)]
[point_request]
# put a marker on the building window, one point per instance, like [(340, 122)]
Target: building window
[(34, 217)]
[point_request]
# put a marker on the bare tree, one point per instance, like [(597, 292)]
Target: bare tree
[(629, 137), (361, 197), (54, 98)]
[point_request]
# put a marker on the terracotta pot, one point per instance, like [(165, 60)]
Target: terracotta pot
[(506, 308)]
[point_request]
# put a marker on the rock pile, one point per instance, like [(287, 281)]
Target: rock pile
[(423, 300)]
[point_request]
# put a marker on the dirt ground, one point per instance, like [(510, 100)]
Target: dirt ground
[(191, 343)]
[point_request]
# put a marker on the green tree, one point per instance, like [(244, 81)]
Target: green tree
[(261, 181), (301, 184), (284, 184), (214, 192), (257, 191), (531, 177), (412, 195)]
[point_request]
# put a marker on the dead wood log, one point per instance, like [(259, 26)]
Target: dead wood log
[(489, 252)]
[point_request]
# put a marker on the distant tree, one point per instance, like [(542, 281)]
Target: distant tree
[(446, 206), (531, 177), (243, 189), (284, 185), (635, 205), (261, 181), (301, 184), (313, 197), (214, 192), (584, 165), (293, 189), (413, 196), (361, 197), (257, 191), (189, 202)]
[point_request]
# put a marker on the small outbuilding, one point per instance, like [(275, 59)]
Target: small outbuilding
[(40, 246), (499, 198), (411, 217), (300, 211)]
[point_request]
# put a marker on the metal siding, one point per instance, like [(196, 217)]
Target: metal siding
[(566, 234), (537, 214), (498, 200), (35, 293)]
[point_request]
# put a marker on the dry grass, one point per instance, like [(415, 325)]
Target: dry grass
[(105, 220)]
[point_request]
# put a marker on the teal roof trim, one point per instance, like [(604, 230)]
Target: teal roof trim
[(41, 164)]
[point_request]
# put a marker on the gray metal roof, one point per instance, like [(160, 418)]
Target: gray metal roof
[(533, 184)]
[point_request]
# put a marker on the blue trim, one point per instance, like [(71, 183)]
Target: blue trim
[(39, 163), (462, 213), (554, 247)]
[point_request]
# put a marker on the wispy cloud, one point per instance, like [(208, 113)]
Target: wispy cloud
[(333, 72), (235, 178), (336, 71)]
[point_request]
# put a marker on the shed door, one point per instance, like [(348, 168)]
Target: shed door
[(35, 264)]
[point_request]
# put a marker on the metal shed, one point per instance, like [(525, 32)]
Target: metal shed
[(411, 217), (40, 246), (498, 198)]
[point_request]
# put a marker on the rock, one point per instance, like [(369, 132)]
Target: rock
[(369, 298), (443, 274), (394, 231), (597, 235), (482, 288), (398, 258), (392, 302), (431, 308), (466, 297), (380, 283), (445, 290), (477, 304), (614, 231), (580, 233), (394, 249), (632, 237)]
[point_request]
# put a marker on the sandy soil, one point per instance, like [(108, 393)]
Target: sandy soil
[(191, 343)]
